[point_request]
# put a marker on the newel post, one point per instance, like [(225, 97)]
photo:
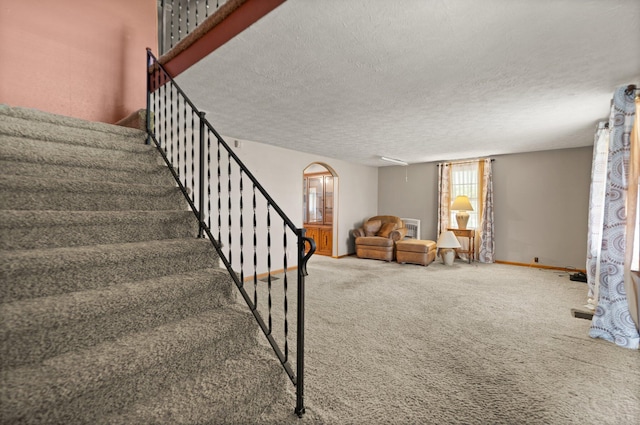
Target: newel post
[(201, 115)]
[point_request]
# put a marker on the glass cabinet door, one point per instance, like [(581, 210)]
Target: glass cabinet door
[(328, 199), (305, 211), (315, 199), (318, 199)]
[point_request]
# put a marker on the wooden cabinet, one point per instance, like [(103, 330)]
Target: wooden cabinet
[(318, 210), (323, 236), (313, 233), (325, 241)]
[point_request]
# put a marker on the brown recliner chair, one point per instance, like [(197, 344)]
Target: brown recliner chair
[(377, 237)]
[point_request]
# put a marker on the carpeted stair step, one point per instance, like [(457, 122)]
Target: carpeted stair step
[(17, 122), (236, 391), (112, 311), (28, 157), (33, 330), (53, 229), (45, 272), (86, 385), (35, 115), (41, 193)]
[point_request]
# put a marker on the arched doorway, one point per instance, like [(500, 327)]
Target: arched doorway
[(320, 187)]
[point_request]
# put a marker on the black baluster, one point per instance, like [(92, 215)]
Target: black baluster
[(158, 109), (164, 116), (219, 198), (187, 31), (197, 7), (151, 98), (229, 201), (177, 166), (255, 251), (207, 9), (209, 179), (193, 156), (172, 17), (241, 232), (285, 285), (269, 261), (201, 174), (300, 323), (184, 135), (179, 20), (157, 113), (156, 97), (170, 141)]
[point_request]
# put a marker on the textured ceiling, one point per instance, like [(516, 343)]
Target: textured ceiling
[(421, 80)]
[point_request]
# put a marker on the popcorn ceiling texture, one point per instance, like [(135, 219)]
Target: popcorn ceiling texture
[(421, 80)]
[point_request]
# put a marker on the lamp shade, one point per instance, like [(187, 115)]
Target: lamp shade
[(461, 203), (448, 240)]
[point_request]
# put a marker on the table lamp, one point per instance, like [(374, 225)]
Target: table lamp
[(462, 205), (447, 244)]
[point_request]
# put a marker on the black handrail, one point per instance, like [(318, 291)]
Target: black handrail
[(160, 126)]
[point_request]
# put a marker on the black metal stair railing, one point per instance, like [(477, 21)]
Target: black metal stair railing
[(177, 18), (238, 216)]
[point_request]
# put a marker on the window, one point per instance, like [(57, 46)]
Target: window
[(464, 181)]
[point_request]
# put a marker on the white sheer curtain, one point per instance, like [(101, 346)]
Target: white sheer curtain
[(596, 211), (465, 181)]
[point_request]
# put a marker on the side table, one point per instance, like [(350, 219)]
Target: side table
[(469, 234)]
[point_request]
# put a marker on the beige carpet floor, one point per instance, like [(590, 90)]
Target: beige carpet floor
[(473, 344)]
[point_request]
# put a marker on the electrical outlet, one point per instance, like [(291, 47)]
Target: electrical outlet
[(535, 259)]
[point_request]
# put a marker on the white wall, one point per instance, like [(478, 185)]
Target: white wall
[(411, 192), (280, 172), (541, 202), (542, 206)]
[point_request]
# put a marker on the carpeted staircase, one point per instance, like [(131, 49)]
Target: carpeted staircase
[(112, 311)]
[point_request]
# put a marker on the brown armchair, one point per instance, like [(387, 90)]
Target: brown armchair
[(377, 237)]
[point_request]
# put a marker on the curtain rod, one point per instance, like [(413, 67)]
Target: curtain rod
[(469, 161)]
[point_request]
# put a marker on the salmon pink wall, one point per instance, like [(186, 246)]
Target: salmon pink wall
[(82, 58)]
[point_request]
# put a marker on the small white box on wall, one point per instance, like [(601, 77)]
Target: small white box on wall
[(413, 227)]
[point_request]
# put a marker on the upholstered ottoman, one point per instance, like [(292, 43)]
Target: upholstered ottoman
[(375, 247), (416, 251)]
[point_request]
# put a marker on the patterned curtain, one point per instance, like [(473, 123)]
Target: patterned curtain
[(596, 210), (486, 237), (632, 259), (444, 196), (612, 319)]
